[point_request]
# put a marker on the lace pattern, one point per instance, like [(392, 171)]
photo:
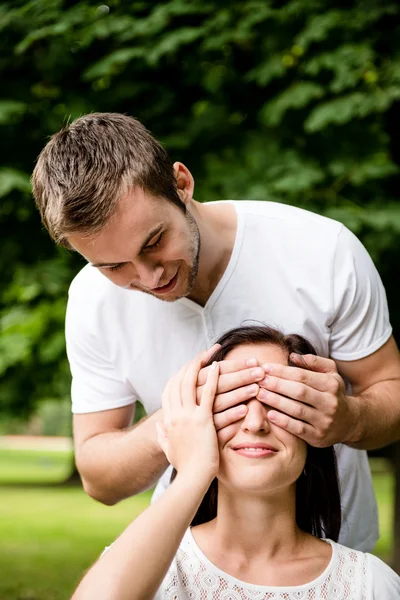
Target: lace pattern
[(192, 576)]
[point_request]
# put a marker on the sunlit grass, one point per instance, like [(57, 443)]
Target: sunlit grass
[(34, 466), (50, 536)]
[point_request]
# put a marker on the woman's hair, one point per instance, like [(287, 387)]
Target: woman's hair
[(318, 508)]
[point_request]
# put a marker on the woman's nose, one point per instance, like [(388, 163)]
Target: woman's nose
[(256, 418)]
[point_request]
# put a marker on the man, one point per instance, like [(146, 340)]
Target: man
[(167, 275)]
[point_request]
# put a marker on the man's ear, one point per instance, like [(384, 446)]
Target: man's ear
[(184, 182)]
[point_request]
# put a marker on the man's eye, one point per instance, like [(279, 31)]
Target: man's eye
[(115, 267), (155, 244)]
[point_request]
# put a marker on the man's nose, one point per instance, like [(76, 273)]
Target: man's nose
[(148, 274), (256, 418)]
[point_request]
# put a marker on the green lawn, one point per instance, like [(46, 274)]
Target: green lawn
[(33, 466), (51, 534)]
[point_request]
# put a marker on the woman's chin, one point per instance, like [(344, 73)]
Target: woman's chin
[(255, 486)]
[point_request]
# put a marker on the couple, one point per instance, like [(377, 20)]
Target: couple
[(253, 511)]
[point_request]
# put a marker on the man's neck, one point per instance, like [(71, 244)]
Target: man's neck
[(217, 225)]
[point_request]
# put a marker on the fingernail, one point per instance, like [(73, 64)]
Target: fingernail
[(241, 409), (214, 365), (257, 372), (294, 355), (251, 362), (266, 368), (262, 394)]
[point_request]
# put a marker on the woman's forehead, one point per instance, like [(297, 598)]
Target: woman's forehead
[(264, 353)]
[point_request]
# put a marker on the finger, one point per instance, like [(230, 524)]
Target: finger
[(232, 381), (228, 366), (210, 389), (318, 364), (165, 402), (229, 399), (189, 380), (318, 381), (208, 353), (227, 417), (175, 391), (298, 428), (292, 408), (292, 389), (162, 437)]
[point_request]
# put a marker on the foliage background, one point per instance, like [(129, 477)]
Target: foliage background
[(291, 101)]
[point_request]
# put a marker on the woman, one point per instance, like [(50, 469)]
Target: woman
[(257, 528)]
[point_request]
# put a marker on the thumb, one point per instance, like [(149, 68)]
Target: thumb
[(162, 437), (319, 364)]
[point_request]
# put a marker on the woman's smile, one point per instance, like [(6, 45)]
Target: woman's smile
[(254, 450)]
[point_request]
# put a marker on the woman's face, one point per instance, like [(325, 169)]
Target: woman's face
[(255, 455)]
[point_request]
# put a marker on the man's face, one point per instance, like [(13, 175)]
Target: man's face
[(150, 245)]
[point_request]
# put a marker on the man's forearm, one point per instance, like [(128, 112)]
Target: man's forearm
[(119, 464), (377, 416)]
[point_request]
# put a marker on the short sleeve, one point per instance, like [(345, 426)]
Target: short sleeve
[(382, 582), (96, 383), (360, 324)]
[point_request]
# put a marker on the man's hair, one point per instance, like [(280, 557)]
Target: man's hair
[(86, 167), (318, 508)]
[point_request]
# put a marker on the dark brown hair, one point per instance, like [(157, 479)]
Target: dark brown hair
[(318, 509), (86, 167)]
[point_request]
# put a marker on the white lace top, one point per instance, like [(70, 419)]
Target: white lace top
[(350, 575)]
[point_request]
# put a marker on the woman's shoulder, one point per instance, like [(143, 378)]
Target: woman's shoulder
[(383, 582), (377, 579)]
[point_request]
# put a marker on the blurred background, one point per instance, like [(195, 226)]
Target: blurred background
[(295, 101)]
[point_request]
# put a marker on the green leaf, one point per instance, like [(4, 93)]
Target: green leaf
[(12, 179), (113, 63), (347, 63), (265, 72), (11, 111), (295, 97), (356, 105)]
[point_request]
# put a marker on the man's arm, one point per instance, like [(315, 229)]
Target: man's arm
[(310, 401), (376, 387), (115, 460)]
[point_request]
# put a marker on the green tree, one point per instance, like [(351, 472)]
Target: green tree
[(291, 101)]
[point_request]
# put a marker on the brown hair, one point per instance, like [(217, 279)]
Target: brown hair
[(318, 509), (85, 168)]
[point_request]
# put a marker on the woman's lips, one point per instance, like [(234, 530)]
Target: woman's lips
[(254, 450)]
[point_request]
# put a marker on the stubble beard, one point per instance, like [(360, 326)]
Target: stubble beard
[(194, 251), (195, 254)]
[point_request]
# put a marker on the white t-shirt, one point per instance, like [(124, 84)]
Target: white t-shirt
[(290, 269), (350, 575)]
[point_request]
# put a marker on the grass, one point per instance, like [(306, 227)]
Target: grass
[(51, 534), (34, 466), (384, 484)]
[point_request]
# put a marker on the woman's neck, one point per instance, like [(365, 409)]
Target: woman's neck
[(257, 540), (249, 525)]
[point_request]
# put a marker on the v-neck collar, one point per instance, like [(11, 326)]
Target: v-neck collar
[(229, 269)]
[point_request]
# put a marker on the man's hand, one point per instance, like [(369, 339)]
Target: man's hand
[(309, 402), (237, 384)]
